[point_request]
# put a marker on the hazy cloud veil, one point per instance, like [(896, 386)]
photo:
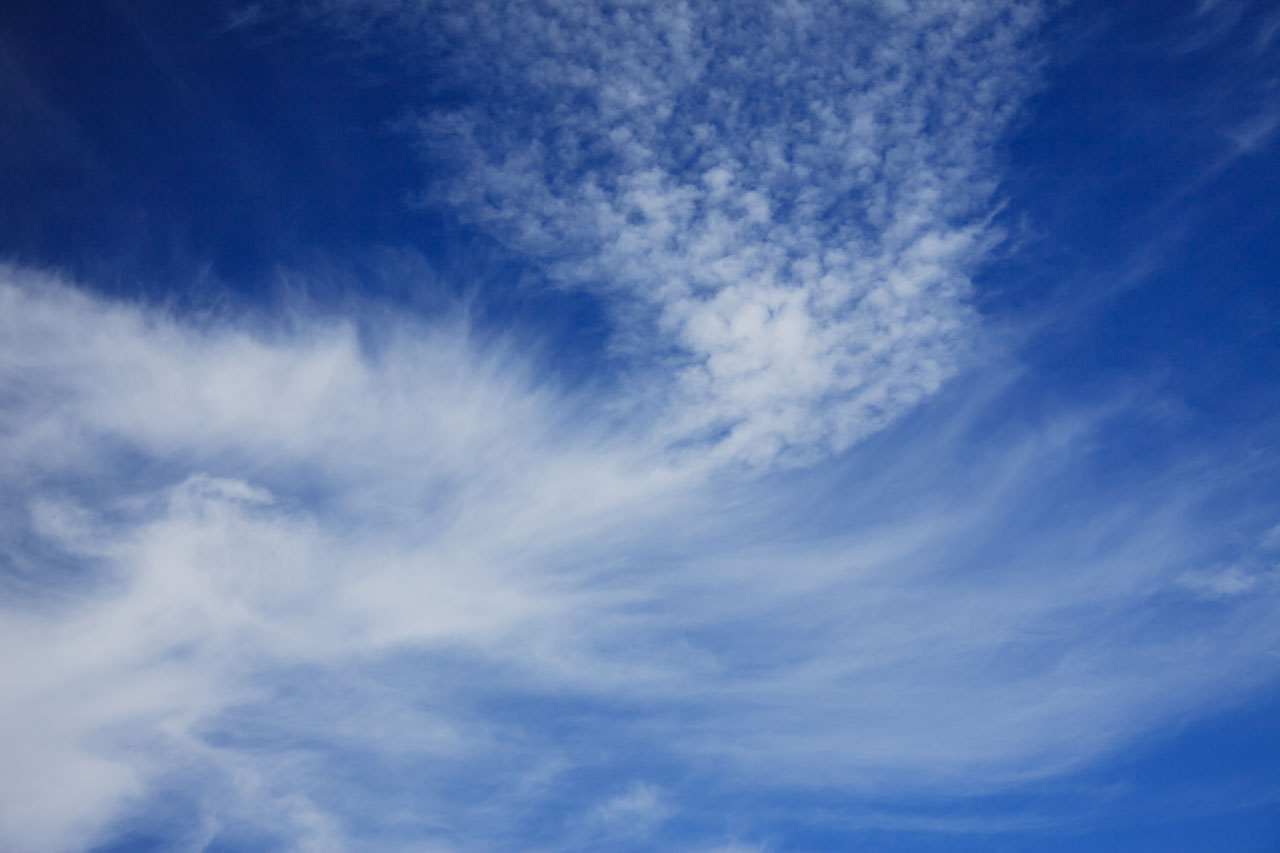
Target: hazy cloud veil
[(267, 582)]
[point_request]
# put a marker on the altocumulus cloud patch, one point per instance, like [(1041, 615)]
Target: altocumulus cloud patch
[(826, 549), (791, 196)]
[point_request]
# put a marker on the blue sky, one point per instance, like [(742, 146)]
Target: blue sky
[(640, 426)]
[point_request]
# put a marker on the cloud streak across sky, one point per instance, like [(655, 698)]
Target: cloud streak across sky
[(422, 532), (328, 576)]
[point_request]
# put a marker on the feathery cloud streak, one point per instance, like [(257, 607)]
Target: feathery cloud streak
[(248, 560)]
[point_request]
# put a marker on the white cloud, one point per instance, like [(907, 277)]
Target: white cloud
[(247, 560), (790, 198), (636, 811), (1222, 583), (436, 468)]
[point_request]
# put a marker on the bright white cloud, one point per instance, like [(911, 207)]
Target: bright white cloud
[(251, 560), (784, 200)]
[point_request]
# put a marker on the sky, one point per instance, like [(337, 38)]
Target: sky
[(723, 427)]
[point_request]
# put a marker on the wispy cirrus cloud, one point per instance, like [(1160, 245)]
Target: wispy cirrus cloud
[(186, 583), (343, 597)]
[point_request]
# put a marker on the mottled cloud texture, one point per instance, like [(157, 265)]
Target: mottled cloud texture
[(351, 581), (786, 199)]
